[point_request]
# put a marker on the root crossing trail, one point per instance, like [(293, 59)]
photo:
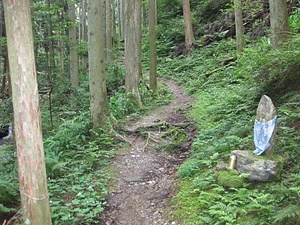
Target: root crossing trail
[(146, 179)]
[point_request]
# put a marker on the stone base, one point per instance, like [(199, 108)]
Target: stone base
[(259, 168)]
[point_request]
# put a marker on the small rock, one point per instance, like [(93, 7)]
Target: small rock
[(155, 213)]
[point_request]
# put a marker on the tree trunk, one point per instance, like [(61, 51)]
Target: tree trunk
[(152, 43), (239, 26), (119, 18), (50, 54), (133, 60), (280, 30), (139, 23), (61, 44), (1, 53), (98, 103), (188, 29), (108, 31), (27, 121), (122, 19), (114, 31), (73, 43), (84, 58)]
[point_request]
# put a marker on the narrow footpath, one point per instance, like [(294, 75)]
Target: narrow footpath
[(145, 178)]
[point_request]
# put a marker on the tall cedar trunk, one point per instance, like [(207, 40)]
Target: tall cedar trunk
[(239, 26), (122, 19), (108, 31), (114, 28), (50, 54), (1, 54), (61, 43), (119, 18), (98, 103), (188, 29), (27, 121), (84, 58), (139, 23), (152, 43), (280, 30), (132, 37), (73, 42)]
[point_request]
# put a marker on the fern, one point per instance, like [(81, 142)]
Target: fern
[(290, 213), (4, 209)]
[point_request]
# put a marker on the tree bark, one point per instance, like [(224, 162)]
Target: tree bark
[(50, 54), (84, 58), (239, 26), (73, 43), (98, 101), (188, 28), (132, 37), (152, 43), (1, 52), (114, 28), (27, 121), (108, 31), (122, 19), (280, 30)]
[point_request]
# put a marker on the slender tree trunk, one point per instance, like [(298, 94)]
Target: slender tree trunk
[(132, 48), (119, 18), (27, 121), (1, 52), (61, 44), (108, 31), (188, 29), (239, 26), (6, 70), (280, 30), (114, 31), (122, 19), (139, 22), (103, 13), (152, 43), (97, 78), (84, 58), (51, 65), (73, 43)]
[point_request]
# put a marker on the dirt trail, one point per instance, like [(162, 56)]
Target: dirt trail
[(146, 178)]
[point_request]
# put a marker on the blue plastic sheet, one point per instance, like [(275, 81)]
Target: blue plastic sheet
[(262, 135)]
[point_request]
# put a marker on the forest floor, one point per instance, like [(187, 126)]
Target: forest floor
[(145, 178)]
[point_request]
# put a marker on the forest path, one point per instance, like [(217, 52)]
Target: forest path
[(145, 178)]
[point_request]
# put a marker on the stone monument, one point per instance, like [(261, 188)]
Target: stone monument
[(262, 164)]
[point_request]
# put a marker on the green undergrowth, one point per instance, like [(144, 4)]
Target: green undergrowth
[(77, 157), (227, 96)]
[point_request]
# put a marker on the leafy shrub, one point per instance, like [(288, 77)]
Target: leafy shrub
[(9, 185), (115, 78), (75, 165), (294, 21)]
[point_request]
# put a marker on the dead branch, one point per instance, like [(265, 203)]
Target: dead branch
[(149, 134)]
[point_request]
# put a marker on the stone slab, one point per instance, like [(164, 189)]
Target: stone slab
[(259, 168)]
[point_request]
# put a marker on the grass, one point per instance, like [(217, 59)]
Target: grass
[(224, 112)]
